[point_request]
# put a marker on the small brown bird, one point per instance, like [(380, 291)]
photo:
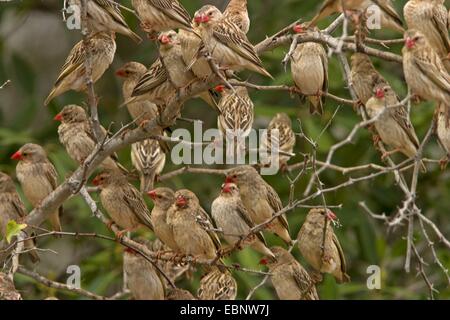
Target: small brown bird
[(389, 17), (393, 126), (171, 54), (324, 256), (122, 201), (140, 111), (38, 177), (12, 208), (232, 217), (281, 137), (149, 159), (217, 285), (309, 68), (227, 44), (179, 294), (7, 289), (102, 47), (143, 280), (424, 71), (237, 13), (77, 136), (260, 200), (364, 76), (163, 199), (104, 16), (192, 227), (290, 279), (430, 17), (161, 15)]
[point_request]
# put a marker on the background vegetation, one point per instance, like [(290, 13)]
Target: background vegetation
[(33, 45)]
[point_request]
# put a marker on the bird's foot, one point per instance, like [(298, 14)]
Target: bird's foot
[(121, 234), (358, 105), (416, 99), (388, 153), (444, 162), (316, 276), (376, 139)]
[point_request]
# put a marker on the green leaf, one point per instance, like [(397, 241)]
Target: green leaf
[(13, 229)]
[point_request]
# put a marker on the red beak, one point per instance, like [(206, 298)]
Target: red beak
[(164, 39), (17, 156), (226, 188), (379, 93), (220, 88), (410, 43), (96, 181), (181, 201), (58, 117), (298, 28), (331, 215), (264, 261), (152, 194), (198, 19), (121, 73)]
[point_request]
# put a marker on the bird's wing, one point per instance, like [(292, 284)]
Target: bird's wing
[(303, 280), (276, 204), (341, 253), (113, 10), (18, 206), (50, 174), (231, 36), (324, 59), (387, 8), (243, 213), (74, 61), (439, 19), (154, 77), (134, 201), (434, 71), (205, 222), (174, 10), (400, 115)]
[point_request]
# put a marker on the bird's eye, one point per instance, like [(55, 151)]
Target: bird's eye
[(210, 14), (235, 176), (25, 154)]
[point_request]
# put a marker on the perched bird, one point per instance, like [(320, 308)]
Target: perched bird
[(154, 86), (260, 200), (324, 254), (192, 226), (161, 15), (77, 136), (179, 294), (102, 47), (149, 159), (38, 177), (7, 289), (232, 217), (290, 279), (309, 68), (12, 208), (430, 17), (424, 71), (236, 116), (171, 55), (389, 17), (217, 285), (122, 201), (237, 13), (163, 199), (143, 280), (227, 44), (140, 111), (281, 137), (104, 16), (364, 76), (393, 125)]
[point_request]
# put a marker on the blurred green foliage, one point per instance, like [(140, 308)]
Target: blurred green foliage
[(364, 240)]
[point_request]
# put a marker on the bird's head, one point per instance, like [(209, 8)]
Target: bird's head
[(229, 189), (163, 197), (131, 69), (207, 14), (6, 183), (413, 39), (168, 39), (30, 152), (235, 175), (70, 114), (103, 179)]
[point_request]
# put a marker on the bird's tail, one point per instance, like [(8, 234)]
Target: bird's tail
[(51, 96), (315, 105), (134, 36), (32, 252), (54, 220), (147, 181)]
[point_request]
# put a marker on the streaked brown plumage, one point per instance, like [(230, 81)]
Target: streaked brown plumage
[(310, 241), (190, 224), (227, 44), (290, 279), (102, 48), (260, 200), (430, 17), (38, 177), (217, 285), (424, 71), (393, 126), (143, 280), (7, 289), (364, 76), (122, 201), (281, 137), (309, 68), (103, 15), (161, 15), (163, 199), (237, 13), (179, 294), (77, 136), (230, 215), (12, 208)]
